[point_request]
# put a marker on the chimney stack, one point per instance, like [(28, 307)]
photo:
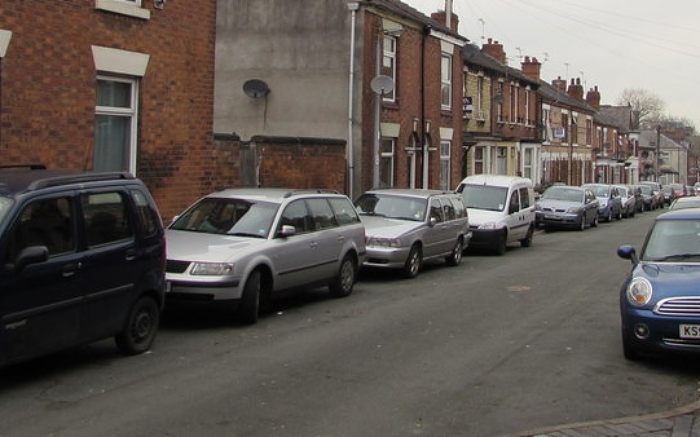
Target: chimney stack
[(443, 17), (576, 89), (531, 68), (559, 84), (593, 98), (495, 50)]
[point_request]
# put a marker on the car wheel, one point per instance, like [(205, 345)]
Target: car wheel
[(594, 223), (527, 241), (414, 262), (456, 256), (582, 225), (628, 350), (140, 328), (609, 217), (249, 311), (501, 244), (619, 214), (347, 275)]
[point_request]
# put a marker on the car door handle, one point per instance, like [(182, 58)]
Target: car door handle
[(130, 255), (313, 244), (70, 269)]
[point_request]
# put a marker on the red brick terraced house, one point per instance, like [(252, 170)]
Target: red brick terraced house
[(113, 85)]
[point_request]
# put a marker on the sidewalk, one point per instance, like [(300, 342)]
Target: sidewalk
[(680, 422)]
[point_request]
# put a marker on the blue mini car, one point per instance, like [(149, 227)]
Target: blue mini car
[(660, 298)]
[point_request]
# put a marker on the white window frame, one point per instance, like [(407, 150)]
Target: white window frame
[(390, 47), (131, 112), (445, 164), (446, 81), (387, 157), (132, 8)]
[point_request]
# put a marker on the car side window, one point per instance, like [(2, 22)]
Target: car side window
[(107, 218), (514, 205), (344, 211), (524, 198), (296, 214), (448, 209), (458, 207), (436, 210), (321, 214), (147, 215), (44, 222)]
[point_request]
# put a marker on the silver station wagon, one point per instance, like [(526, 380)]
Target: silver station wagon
[(406, 227), (242, 246)]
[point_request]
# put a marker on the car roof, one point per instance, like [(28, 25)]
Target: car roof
[(410, 192), (277, 195), (18, 179), (680, 214), (496, 180)]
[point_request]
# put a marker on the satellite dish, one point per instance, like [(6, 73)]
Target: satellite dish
[(382, 84), (255, 88)]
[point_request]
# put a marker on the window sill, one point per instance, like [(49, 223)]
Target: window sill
[(122, 8)]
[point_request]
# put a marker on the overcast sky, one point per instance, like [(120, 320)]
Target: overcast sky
[(614, 44)]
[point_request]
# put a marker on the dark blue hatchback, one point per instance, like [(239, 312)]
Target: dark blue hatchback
[(660, 298)]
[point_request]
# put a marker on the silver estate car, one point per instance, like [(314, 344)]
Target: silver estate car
[(242, 246), (406, 227)]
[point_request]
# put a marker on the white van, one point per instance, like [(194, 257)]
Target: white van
[(501, 210)]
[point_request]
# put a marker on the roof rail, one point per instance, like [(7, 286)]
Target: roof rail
[(27, 166), (56, 181), (310, 191)]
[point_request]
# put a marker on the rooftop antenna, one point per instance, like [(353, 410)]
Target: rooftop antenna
[(583, 79), (520, 53), (546, 57), (483, 23), (567, 72)]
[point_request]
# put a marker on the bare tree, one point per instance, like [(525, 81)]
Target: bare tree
[(645, 105)]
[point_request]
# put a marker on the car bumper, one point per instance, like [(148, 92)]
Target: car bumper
[(485, 238), (387, 257), (180, 291), (649, 332), (560, 220)]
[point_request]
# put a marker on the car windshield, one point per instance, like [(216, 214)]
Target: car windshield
[(561, 193), (228, 216), (5, 204), (485, 197), (673, 240), (599, 190), (395, 207)]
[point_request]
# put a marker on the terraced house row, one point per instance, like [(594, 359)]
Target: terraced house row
[(193, 95)]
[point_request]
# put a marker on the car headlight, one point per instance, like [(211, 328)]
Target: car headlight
[(488, 225), (639, 292), (383, 242), (573, 210), (212, 269)]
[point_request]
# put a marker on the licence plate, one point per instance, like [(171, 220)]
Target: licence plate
[(689, 331)]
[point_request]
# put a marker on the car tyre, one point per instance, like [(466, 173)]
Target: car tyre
[(619, 214), (527, 241), (501, 244), (343, 284), (582, 225), (456, 256), (594, 223), (628, 350), (140, 328), (609, 217), (414, 262), (249, 311)]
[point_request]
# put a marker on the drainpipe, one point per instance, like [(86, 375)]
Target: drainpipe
[(353, 7), (426, 167), (5, 37)]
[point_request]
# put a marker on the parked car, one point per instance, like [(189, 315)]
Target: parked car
[(657, 192), (239, 248), (501, 210), (609, 201), (638, 197), (659, 298), (680, 190), (669, 193), (83, 258), (686, 202), (563, 206), (407, 227), (628, 199), (649, 200)]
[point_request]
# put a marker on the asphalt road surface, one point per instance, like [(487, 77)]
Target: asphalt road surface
[(495, 345)]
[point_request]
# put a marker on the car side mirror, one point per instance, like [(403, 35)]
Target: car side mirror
[(432, 221), (287, 231), (628, 252), (31, 255)]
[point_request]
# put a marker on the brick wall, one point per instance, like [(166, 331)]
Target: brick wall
[(48, 82)]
